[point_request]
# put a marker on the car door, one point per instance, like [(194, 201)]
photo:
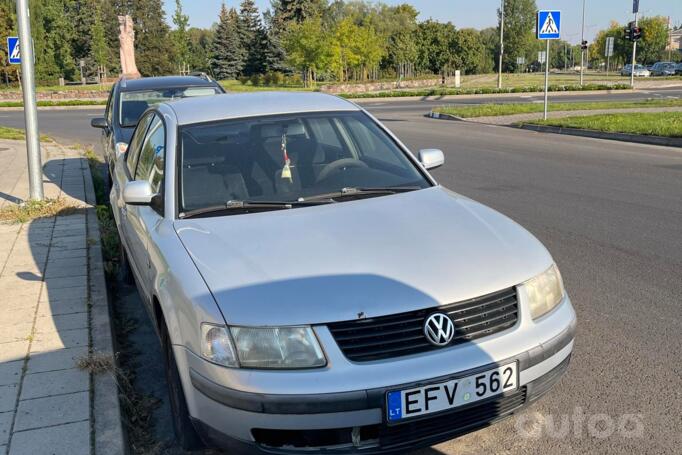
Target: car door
[(143, 219), (123, 173), (108, 132)]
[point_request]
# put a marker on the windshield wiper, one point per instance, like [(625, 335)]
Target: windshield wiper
[(358, 192), (248, 207)]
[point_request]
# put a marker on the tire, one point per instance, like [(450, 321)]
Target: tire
[(185, 433), (125, 273)]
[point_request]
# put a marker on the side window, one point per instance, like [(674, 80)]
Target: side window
[(108, 112), (136, 142), (151, 164)]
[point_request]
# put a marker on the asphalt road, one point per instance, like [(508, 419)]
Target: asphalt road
[(611, 215), (73, 126)]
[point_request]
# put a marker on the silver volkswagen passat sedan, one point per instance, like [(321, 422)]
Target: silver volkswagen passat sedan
[(314, 288)]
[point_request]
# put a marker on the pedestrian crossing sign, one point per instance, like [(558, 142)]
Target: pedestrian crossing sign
[(13, 54), (549, 24)]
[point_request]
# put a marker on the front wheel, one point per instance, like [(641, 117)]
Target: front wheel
[(185, 433)]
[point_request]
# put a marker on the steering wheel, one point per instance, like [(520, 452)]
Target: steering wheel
[(340, 164)]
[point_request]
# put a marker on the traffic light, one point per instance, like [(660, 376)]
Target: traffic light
[(636, 33), (583, 45), (627, 33)]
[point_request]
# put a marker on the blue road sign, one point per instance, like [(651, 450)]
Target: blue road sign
[(549, 24), (13, 50)]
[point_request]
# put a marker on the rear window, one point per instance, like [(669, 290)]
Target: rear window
[(134, 103)]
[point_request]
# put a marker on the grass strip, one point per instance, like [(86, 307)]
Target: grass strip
[(17, 134), (665, 124), (31, 210), (500, 109), (484, 91), (51, 103)]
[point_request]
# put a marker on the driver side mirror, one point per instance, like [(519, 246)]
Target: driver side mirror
[(431, 158), (99, 122), (138, 192)]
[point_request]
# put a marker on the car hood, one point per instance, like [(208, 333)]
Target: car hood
[(361, 258)]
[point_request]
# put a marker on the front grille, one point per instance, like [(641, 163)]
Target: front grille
[(403, 334), (451, 424)]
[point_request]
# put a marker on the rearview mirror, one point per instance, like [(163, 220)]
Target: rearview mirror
[(99, 122), (431, 158), (137, 192)]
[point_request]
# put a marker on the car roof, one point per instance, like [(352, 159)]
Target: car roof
[(161, 82), (229, 106)]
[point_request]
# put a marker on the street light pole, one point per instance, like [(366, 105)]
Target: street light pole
[(499, 74), (582, 51), (35, 172)]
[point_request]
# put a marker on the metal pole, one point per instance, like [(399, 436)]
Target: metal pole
[(499, 74), (608, 60), (35, 172), (546, 78), (582, 51), (634, 54)]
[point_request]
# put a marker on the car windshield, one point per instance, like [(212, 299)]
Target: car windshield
[(134, 103), (289, 158)]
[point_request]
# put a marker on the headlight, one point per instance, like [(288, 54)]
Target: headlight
[(216, 345), (269, 347), (544, 292), (121, 148), (277, 347)]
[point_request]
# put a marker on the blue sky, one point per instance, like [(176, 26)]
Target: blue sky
[(202, 13)]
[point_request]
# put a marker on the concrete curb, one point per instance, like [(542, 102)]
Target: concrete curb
[(107, 427), (487, 95), (441, 116), (641, 139)]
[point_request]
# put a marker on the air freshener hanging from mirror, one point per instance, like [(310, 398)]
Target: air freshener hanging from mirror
[(286, 170)]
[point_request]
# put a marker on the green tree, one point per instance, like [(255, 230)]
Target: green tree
[(253, 38), (651, 48), (6, 29), (470, 51), (153, 48), (227, 53), (297, 10), (199, 48), (179, 35), (490, 37), (436, 47), (519, 26), (98, 48), (54, 57), (308, 48)]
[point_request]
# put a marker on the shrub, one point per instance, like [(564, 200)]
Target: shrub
[(256, 80), (243, 79), (273, 78)]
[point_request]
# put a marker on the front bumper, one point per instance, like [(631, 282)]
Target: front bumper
[(354, 422)]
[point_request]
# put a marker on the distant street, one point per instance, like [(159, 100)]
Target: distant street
[(73, 126), (611, 215)]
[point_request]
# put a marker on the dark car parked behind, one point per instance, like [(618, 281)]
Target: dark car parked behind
[(130, 98), (663, 69)]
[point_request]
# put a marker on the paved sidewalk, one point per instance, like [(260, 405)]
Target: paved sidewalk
[(47, 404), (516, 118)]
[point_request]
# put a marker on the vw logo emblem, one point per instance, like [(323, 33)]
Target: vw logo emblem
[(439, 329)]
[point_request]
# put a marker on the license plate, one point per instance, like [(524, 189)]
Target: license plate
[(418, 401)]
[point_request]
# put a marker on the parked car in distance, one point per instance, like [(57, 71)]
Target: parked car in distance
[(640, 71), (129, 98), (678, 69), (316, 291), (663, 69)]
